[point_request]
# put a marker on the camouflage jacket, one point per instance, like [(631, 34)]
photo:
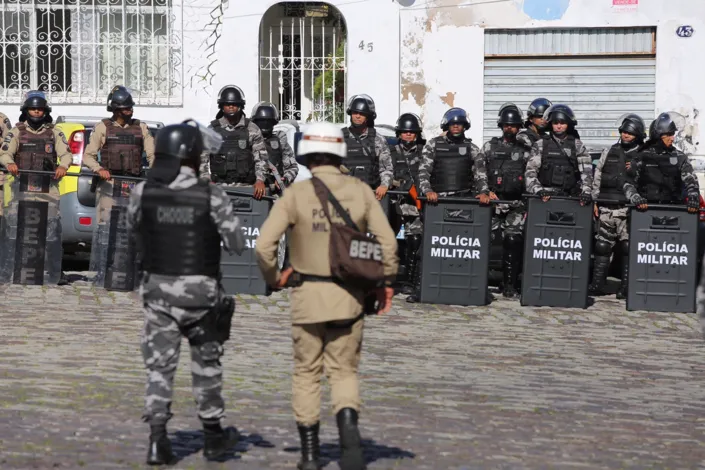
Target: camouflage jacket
[(428, 158), (688, 176), (192, 291), (259, 150), (533, 166), (291, 168)]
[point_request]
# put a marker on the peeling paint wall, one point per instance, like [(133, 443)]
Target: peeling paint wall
[(443, 49)]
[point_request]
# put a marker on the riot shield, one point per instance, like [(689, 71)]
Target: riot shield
[(557, 253), (455, 252), (662, 259), (241, 273), (113, 253), (31, 231)]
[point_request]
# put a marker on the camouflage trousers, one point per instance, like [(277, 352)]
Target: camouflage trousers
[(509, 218), (164, 327), (411, 218), (611, 225)]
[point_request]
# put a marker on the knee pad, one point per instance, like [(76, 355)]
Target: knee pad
[(513, 240), (624, 247), (210, 351), (602, 248)]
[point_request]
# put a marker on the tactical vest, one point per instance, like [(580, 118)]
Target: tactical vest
[(406, 166), (505, 169), (122, 152), (660, 176), (362, 160), (36, 151), (612, 183), (235, 163), (559, 165), (275, 153), (180, 237), (452, 168)]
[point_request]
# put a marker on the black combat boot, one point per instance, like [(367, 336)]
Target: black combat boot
[(351, 455), (310, 447), (416, 296), (624, 284), (218, 441), (159, 451), (412, 247), (511, 261), (599, 275)]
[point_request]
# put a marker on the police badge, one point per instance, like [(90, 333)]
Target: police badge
[(242, 144), (515, 157), (275, 144), (49, 148), (673, 160), (462, 150)]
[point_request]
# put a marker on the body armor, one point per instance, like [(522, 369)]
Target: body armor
[(505, 169), (235, 163), (362, 160), (122, 152), (452, 169), (612, 183), (406, 166), (179, 235), (660, 176), (275, 153), (559, 166), (36, 151)]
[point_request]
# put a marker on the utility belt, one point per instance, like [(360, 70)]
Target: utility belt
[(297, 279)]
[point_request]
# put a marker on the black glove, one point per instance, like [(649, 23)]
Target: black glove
[(637, 200), (585, 199), (693, 203), (543, 193)]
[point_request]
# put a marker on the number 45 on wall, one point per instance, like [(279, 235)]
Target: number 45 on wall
[(370, 46)]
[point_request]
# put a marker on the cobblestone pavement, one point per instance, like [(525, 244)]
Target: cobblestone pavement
[(444, 387)]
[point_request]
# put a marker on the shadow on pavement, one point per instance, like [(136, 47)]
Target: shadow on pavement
[(186, 443), (330, 452)]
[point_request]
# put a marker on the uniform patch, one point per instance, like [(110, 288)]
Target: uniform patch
[(5, 147), (462, 150), (515, 156), (8, 123), (63, 138), (275, 144), (49, 148), (242, 144), (8, 137), (673, 160)]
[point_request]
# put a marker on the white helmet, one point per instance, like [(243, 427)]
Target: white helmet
[(322, 137)]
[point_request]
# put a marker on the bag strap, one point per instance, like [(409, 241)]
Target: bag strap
[(324, 195)]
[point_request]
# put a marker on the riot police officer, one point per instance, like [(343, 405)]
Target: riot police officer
[(326, 312), (611, 216), (506, 162), (406, 155), (368, 154), (282, 163), (242, 160), (660, 173), (451, 165), (536, 126), (121, 140), (35, 144), (174, 212), (559, 163)]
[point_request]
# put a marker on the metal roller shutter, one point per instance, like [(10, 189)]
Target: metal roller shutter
[(598, 86)]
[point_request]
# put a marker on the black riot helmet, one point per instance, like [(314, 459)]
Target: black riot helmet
[(231, 94), (35, 99), (455, 116), (180, 145), (633, 124), (119, 98), (538, 107), (362, 104), (560, 112), (665, 123), (266, 116), (509, 114), (408, 122)]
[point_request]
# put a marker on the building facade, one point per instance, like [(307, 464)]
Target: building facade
[(603, 57)]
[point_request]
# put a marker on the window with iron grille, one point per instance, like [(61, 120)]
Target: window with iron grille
[(77, 50)]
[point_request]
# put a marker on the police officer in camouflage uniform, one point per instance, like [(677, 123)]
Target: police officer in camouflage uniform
[(660, 173), (175, 213), (536, 126), (35, 144), (282, 163), (559, 163), (608, 185), (506, 163), (406, 155), (451, 165), (243, 160), (368, 154)]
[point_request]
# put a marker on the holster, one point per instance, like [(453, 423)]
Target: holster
[(224, 311)]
